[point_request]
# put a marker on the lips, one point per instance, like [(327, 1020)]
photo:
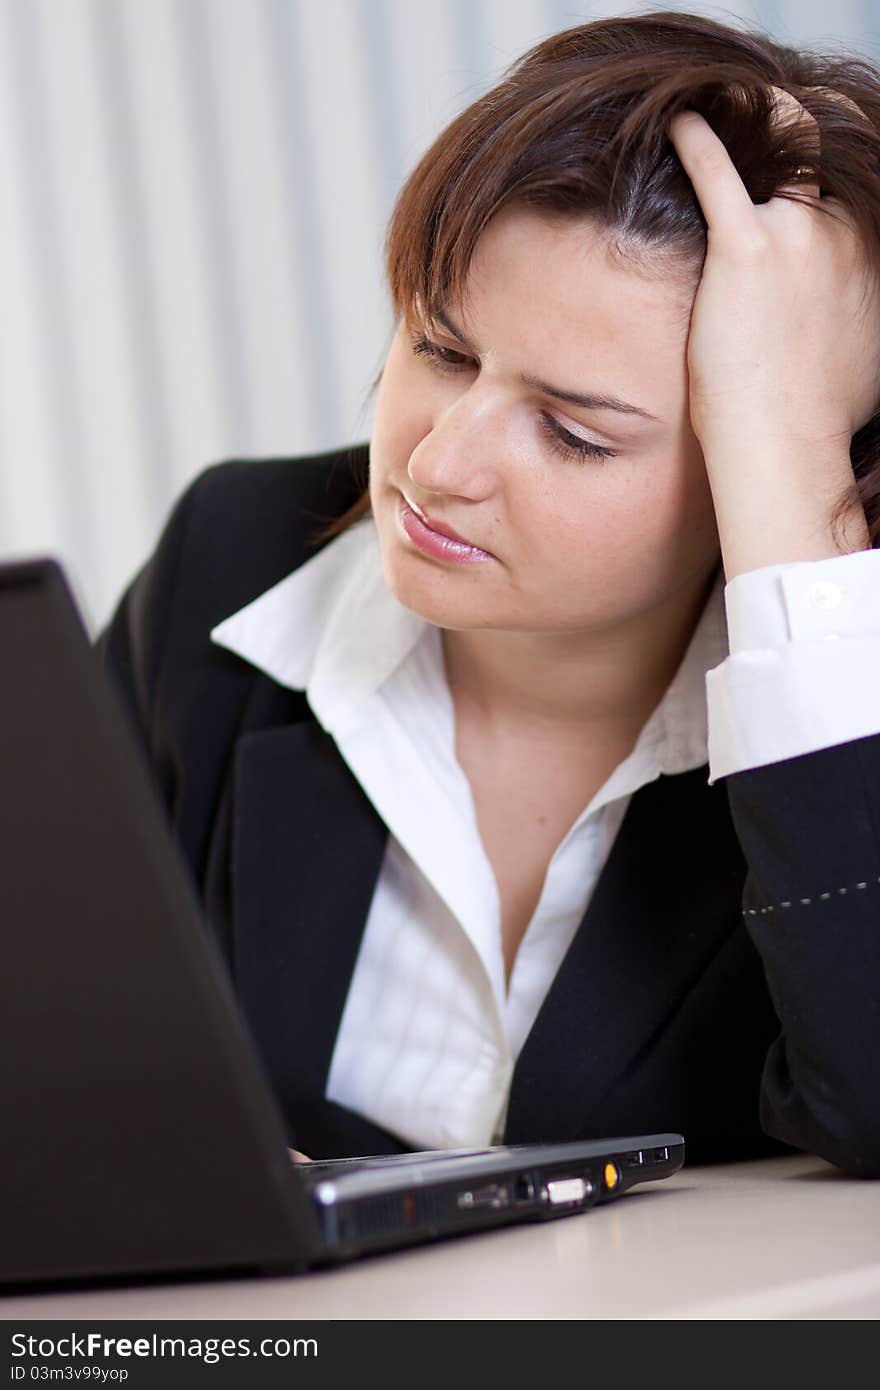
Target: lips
[(443, 544), (439, 526)]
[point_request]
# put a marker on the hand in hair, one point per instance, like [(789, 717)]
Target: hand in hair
[(783, 355)]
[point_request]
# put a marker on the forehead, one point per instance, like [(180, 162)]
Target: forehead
[(554, 291)]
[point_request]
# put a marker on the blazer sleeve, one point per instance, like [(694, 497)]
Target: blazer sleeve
[(809, 827), (794, 723)]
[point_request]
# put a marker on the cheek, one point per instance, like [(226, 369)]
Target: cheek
[(621, 510), (573, 532), (674, 530)]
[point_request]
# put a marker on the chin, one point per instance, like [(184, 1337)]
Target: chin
[(446, 597)]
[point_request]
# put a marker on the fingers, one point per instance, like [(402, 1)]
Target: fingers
[(297, 1157), (722, 194), (724, 199)]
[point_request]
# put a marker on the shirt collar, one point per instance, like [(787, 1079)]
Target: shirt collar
[(331, 628), (334, 629)]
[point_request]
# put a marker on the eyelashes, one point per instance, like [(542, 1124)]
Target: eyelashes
[(562, 441), (570, 446)]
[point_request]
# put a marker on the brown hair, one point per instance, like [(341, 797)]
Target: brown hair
[(577, 128)]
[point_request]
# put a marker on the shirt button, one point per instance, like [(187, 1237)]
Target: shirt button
[(826, 595)]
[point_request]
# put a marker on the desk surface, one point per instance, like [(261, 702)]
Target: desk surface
[(779, 1238)]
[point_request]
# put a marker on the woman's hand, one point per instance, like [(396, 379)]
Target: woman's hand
[(783, 356), (297, 1157), (777, 335)]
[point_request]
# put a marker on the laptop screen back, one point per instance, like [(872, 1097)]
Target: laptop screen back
[(137, 1130)]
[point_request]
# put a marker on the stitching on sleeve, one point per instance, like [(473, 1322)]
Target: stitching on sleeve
[(804, 902)]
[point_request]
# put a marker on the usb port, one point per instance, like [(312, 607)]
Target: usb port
[(565, 1190)]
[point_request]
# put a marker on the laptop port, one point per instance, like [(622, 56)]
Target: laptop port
[(523, 1190), (567, 1191), (495, 1194)]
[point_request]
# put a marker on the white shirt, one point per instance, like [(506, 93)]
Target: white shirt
[(430, 1033)]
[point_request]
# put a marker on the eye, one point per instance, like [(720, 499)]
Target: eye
[(438, 357), (571, 446)]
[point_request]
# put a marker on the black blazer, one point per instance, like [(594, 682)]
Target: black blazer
[(725, 979)]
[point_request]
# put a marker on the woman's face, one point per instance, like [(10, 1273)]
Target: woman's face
[(575, 542)]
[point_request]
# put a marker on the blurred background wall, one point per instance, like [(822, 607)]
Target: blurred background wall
[(193, 197)]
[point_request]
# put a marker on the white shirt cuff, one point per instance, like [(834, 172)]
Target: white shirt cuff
[(804, 666), (776, 604)]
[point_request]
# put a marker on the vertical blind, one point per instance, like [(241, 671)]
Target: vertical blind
[(193, 199)]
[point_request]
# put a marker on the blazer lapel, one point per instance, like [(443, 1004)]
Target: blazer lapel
[(307, 847), (658, 913)]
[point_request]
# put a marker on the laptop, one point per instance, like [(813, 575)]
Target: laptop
[(140, 1137)]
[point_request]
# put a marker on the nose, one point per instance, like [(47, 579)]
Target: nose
[(459, 455)]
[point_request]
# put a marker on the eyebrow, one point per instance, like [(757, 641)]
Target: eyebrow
[(586, 400)]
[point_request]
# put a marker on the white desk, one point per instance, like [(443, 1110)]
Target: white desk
[(780, 1238)]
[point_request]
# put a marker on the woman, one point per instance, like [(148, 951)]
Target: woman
[(538, 795)]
